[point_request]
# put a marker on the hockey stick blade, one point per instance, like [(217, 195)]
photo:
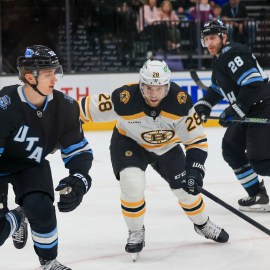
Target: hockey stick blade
[(195, 77), (233, 210), (245, 120)]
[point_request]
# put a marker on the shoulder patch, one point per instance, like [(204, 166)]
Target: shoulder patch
[(182, 97), (69, 98), (227, 48), (124, 96), (4, 102)]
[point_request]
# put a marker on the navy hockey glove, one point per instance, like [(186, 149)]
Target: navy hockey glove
[(72, 190), (203, 109), (192, 179), (235, 111)]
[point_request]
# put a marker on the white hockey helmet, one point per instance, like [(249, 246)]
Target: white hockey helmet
[(155, 72)]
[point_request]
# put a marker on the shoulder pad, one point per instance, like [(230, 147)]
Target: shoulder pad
[(177, 102), (8, 89), (127, 100)]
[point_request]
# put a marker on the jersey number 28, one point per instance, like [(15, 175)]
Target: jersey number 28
[(237, 62)]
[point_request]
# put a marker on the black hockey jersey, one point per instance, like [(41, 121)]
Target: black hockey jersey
[(237, 76), (29, 134), (156, 129)]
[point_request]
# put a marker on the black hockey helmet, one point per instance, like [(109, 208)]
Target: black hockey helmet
[(37, 57), (216, 27)]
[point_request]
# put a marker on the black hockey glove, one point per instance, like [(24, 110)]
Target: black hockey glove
[(235, 111), (72, 190), (192, 179), (203, 109)]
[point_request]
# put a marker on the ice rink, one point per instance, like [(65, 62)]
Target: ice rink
[(93, 236)]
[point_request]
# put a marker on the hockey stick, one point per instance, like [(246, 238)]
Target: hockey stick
[(245, 120), (197, 80), (235, 211)]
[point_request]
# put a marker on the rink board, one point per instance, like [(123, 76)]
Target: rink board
[(78, 86)]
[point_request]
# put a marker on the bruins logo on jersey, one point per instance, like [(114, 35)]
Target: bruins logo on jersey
[(158, 136), (182, 97), (124, 96)]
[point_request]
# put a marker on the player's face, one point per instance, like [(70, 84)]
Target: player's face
[(213, 43), (153, 94), (46, 81)]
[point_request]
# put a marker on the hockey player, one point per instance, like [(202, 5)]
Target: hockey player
[(238, 77), (34, 119), (152, 117)]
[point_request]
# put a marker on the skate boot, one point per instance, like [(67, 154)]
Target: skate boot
[(20, 236), (256, 203), (135, 243), (211, 231), (52, 265)]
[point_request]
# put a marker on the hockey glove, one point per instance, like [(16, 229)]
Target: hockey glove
[(235, 111), (192, 179), (203, 109), (72, 190)]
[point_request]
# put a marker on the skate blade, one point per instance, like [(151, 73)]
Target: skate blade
[(259, 208), (135, 256)]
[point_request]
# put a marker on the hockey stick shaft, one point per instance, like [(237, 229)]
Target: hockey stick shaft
[(245, 120), (195, 77), (233, 210)]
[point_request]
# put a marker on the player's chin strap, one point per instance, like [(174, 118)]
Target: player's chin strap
[(34, 86)]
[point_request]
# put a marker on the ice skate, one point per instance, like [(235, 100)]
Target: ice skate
[(52, 265), (21, 235), (135, 243), (257, 203), (212, 231)]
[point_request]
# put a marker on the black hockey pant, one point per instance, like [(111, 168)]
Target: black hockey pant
[(248, 143), (40, 212)]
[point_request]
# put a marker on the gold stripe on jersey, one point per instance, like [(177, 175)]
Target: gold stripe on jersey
[(85, 114), (202, 146), (175, 140), (194, 208), (170, 116), (121, 131), (196, 139), (134, 116), (133, 209), (199, 142)]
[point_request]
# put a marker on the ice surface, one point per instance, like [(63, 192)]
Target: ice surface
[(94, 235)]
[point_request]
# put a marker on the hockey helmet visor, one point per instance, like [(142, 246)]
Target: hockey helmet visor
[(216, 27), (39, 57)]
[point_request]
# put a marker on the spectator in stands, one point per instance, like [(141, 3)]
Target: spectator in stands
[(181, 7), (167, 14), (204, 13), (220, 3), (148, 14), (234, 14), (148, 23), (217, 12), (126, 21), (200, 14)]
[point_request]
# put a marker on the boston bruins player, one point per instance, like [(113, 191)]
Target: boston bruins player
[(238, 77), (34, 119), (153, 116)]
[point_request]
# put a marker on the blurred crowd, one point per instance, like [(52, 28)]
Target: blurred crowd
[(161, 19), (138, 28)]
